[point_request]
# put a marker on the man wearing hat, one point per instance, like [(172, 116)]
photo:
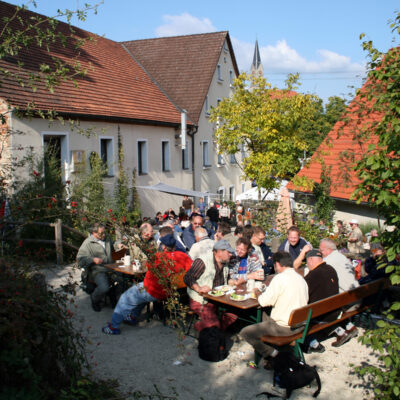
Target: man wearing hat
[(355, 239), (131, 303), (207, 272), (323, 282)]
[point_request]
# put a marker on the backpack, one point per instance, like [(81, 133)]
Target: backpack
[(291, 373), (212, 346)]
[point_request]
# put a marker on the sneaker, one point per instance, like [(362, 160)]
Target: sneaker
[(319, 349), (348, 334), (109, 330), (96, 306), (129, 320)]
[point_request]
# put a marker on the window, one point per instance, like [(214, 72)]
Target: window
[(231, 193), (206, 159), (185, 157), (225, 47), (165, 156), (142, 157), (243, 152), (221, 193), (106, 154), (221, 159), (219, 73), (232, 159), (206, 106), (243, 187), (218, 101), (231, 77)]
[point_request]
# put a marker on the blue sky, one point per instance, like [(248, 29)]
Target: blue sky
[(318, 39)]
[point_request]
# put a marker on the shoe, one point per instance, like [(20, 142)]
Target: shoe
[(347, 335), (95, 305), (319, 349), (109, 330), (129, 320), (268, 364)]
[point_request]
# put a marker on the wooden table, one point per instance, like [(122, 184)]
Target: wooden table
[(125, 270), (225, 301)]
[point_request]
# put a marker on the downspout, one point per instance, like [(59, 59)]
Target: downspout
[(191, 133)]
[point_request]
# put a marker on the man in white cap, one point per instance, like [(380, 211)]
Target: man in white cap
[(355, 239), (207, 272)]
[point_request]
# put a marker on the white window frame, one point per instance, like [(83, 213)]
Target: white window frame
[(185, 157), (165, 156), (142, 169), (232, 191), (231, 77), (206, 154), (221, 193), (221, 160), (219, 73), (110, 153), (206, 107), (65, 153), (232, 159)]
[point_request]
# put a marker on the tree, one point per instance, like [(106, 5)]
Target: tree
[(378, 168), (266, 122)]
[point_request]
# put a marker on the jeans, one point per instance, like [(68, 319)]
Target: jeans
[(102, 287), (131, 302)]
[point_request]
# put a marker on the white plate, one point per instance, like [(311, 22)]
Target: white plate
[(241, 299), (224, 288), (215, 295)]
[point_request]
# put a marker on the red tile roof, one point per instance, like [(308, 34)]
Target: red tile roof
[(183, 65), (115, 86), (340, 144)]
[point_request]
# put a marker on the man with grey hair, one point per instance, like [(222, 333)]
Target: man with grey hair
[(203, 243), (343, 266)]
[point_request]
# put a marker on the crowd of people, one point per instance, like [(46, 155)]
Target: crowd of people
[(211, 254)]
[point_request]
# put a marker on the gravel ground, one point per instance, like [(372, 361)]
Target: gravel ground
[(150, 358)]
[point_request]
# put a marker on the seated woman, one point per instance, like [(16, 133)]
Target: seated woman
[(247, 265)]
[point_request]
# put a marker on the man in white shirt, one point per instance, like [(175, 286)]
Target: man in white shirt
[(343, 266), (203, 243), (287, 291)]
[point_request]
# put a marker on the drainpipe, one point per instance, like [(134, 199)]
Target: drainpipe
[(191, 132)]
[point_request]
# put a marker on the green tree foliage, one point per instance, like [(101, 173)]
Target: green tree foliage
[(324, 204), (378, 168), (121, 189), (267, 122)]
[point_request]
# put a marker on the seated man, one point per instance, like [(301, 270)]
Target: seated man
[(296, 246), (246, 265), (188, 233), (343, 266), (142, 246), (168, 229), (95, 251), (207, 272), (286, 292), (131, 303), (263, 252), (203, 243)]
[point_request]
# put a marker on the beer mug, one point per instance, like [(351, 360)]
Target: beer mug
[(251, 283), (127, 261)]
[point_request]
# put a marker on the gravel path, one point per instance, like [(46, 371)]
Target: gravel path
[(149, 357)]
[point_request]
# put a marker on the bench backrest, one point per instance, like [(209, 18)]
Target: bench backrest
[(337, 301)]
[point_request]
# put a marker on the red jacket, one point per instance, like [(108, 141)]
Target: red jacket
[(166, 263)]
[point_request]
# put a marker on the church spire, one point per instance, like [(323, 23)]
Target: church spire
[(256, 66)]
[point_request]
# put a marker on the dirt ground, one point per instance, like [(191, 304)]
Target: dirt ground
[(149, 358)]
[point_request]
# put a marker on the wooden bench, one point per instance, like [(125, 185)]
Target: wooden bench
[(306, 314)]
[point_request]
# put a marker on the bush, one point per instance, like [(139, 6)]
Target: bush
[(42, 356)]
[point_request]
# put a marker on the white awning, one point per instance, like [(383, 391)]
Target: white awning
[(273, 195), (162, 187)]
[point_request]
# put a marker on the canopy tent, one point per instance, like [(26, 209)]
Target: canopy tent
[(162, 187), (273, 195)]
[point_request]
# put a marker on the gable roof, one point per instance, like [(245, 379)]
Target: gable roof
[(183, 65), (340, 150), (115, 87)]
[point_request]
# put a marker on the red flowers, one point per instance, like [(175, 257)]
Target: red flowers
[(35, 173), (74, 204), (109, 210), (20, 243)]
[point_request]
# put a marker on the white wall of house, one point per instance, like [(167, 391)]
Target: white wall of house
[(73, 143), (223, 174)]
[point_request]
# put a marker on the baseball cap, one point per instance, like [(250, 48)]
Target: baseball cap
[(314, 253), (223, 245), (168, 240)]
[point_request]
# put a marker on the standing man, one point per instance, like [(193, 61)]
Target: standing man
[(207, 272), (286, 292), (202, 207), (213, 214), (188, 234), (95, 251), (224, 212), (343, 266), (296, 246), (187, 205), (355, 239)]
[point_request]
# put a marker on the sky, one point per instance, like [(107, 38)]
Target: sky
[(317, 38)]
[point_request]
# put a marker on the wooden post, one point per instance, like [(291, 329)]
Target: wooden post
[(58, 237)]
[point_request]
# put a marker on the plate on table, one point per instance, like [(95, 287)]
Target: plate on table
[(237, 297), (216, 293), (223, 288)]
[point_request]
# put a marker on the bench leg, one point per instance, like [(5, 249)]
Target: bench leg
[(298, 352)]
